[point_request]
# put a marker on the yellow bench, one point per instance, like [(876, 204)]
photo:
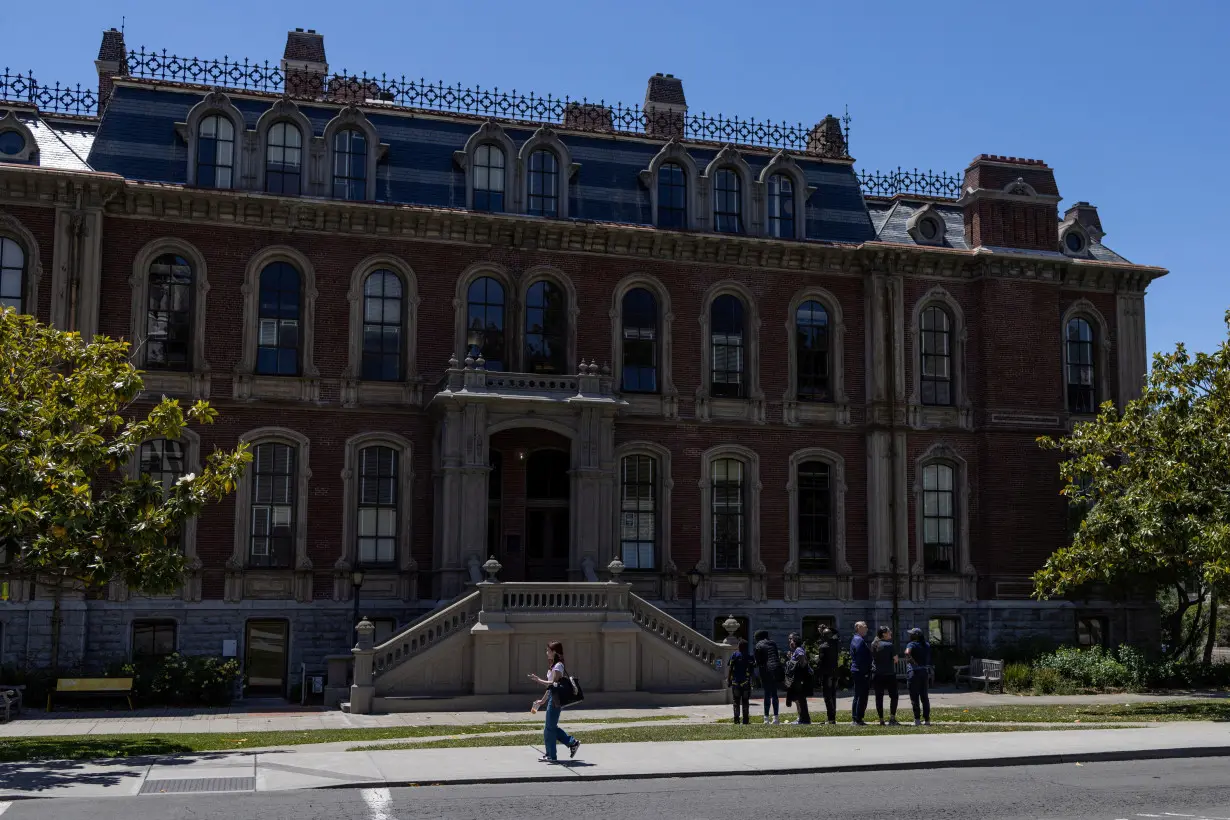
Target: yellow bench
[(93, 686)]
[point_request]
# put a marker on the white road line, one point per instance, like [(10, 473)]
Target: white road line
[(379, 801), (4, 807)]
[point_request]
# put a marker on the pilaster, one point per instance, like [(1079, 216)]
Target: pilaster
[(77, 273), (1130, 346)]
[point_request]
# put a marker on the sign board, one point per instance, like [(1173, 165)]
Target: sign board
[(717, 664), (318, 684), (230, 648)]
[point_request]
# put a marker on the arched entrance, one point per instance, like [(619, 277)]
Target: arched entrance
[(529, 503)]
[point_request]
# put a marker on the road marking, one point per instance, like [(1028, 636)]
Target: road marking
[(378, 800), (4, 807)]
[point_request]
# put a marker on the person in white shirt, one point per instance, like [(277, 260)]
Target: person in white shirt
[(552, 734)]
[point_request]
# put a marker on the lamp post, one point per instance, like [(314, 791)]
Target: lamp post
[(356, 581), (694, 578)]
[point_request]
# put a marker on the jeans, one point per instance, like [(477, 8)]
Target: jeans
[(770, 696), (828, 686), (742, 695), (551, 732), (919, 696), (889, 685), (862, 687)]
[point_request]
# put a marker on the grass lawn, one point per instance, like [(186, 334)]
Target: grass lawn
[(1216, 710)]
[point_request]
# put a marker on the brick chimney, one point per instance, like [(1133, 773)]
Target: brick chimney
[(827, 138), (304, 65), (1010, 203), (666, 108), (112, 62), (1085, 215)]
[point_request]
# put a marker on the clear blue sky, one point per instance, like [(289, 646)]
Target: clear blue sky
[(1128, 101)]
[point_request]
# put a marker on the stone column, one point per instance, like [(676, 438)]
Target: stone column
[(491, 637), (1130, 346), (462, 505), (593, 491), (77, 271), (363, 690), (619, 636)]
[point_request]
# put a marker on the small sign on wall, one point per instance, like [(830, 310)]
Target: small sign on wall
[(230, 648)]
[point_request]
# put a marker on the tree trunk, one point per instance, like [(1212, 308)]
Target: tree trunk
[(1211, 638), (1189, 641), (55, 628)]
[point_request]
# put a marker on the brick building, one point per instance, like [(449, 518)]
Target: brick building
[(454, 324)]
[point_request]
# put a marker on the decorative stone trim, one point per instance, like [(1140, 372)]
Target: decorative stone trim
[(732, 158), (12, 228), (666, 401), (397, 581), (352, 117), (250, 385), (752, 407), (490, 133), (1084, 309), (215, 102), (29, 151), (751, 582), (409, 390), (663, 586), (960, 413), (837, 411), (839, 583), (784, 163), (962, 585), (195, 382), (545, 138), (673, 152), (914, 226)]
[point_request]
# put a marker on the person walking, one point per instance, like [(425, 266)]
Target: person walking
[(768, 667), (551, 732), (798, 679), (917, 674), (884, 673), (826, 670), (860, 670), (739, 679)]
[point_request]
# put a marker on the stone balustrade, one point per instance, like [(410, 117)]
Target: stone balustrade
[(674, 631), (425, 632), (473, 377)]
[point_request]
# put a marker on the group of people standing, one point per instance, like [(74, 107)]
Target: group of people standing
[(873, 664)]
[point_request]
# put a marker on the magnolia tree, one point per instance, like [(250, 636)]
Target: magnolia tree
[(1155, 485), (70, 515)]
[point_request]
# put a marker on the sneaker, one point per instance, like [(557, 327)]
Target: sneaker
[(927, 722), (917, 722), (832, 723), (545, 759), (572, 750), (860, 723), (775, 720), (893, 722), (881, 723)]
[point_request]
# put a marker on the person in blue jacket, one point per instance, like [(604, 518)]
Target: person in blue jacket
[(860, 670), (918, 653)]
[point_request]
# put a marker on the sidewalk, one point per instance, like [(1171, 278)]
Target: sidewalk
[(36, 723), (279, 771)]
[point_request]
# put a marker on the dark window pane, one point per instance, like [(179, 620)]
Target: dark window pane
[(935, 356), (640, 341), (489, 178), (638, 522), (546, 329), (274, 487), (672, 197), (781, 207), (382, 326), (726, 331), (814, 517), (1080, 371), (811, 327), (278, 336), (727, 202), (350, 165), (378, 504), (543, 184), (727, 513), (168, 321), (12, 275), (152, 639), (939, 518), (215, 152), (283, 159), (485, 311)]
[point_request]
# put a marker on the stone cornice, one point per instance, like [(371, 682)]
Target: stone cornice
[(25, 185)]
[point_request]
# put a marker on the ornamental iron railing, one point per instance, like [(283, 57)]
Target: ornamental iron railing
[(906, 181), (62, 99)]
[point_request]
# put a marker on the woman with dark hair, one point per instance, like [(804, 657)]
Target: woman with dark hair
[(918, 653), (884, 673), (798, 679), (551, 732)]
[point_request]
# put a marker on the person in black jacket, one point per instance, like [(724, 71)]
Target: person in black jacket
[(884, 673), (799, 679), (768, 667), (826, 669), (739, 678)]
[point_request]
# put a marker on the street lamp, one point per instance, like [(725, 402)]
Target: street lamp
[(356, 581), (694, 578)]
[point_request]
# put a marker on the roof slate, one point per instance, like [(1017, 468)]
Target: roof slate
[(60, 145)]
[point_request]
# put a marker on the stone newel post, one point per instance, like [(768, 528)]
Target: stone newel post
[(363, 691), (491, 636), (731, 625)]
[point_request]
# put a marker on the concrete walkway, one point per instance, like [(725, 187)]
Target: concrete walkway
[(277, 771), (36, 723)]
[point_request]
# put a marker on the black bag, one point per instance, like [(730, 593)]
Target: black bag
[(567, 691)]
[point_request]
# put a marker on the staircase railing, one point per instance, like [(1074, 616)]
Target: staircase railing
[(676, 632), (426, 632)]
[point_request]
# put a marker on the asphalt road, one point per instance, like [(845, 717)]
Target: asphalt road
[(1158, 790)]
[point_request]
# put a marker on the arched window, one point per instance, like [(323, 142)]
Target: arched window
[(272, 533), (543, 184), (815, 514), (284, 159), (727, 201), (1080, 369), (939, 518), (489, 178), (935, 348), (811, 327), (350, 165), (382, 326), (726, 330), (546, 328), (781, 206), (727, 513), (12, 275), (640, 342), (277, 352), (485, 320), (163, 461), (378, 506), (672, 196), (215, 152), (638, 519), (168, 321)]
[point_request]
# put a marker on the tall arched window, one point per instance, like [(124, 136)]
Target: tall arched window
[(546, 328), (638, 519), (485, 320), (168, 321), (277, 352), (811, 327), (815, 512), (935, 360), (1080, 370), (378, 506), (672, 196), (382, 326), (489, 178), (12, 275), (163, 461), (727, 513), (727, 201), (272, 533), (215, 152), (726, 330), (543, 184), (284, 159), (939, 518), (781, 206), (640, 342), (350, 165)]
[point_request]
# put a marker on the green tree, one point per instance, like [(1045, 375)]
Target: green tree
[(1155, 484), (69, 515)]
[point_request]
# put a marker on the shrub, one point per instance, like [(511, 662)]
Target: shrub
[(1023, 650), (1018, 677), (1093, 667), (1146, 672), (1046, 681), (182, 680)]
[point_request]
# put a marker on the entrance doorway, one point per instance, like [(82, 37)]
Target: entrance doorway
[(546, 515), (266, 647), (528, 498)]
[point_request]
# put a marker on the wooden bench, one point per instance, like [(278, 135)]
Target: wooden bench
[(903, 667), (984, 670), (93, 687)]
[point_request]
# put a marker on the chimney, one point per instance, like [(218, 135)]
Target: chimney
[(827, 138), (112, 62), (666, 108), (1085, 215), (304, 65), (1010, 202), (588, 117)]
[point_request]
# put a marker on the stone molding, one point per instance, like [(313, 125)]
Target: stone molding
[(666, 401), (836, 411), (960, 412), (402, 573), (839, 583)]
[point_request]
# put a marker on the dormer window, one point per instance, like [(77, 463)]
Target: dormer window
[(489, 178), (926, 226), (672, 197), (929, 229), (215, 152), (543, 187), (781, 207), (1074, 241), (12, 143), (284, 159), (350, 165), (727, 201)]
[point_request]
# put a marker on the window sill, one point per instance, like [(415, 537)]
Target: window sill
[(250, 386), (813, 412), (177, 383), (922, 416), (727, 409), (359, 392), (651, 404)]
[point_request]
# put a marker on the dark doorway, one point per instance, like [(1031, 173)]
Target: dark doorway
[(266, 647), (547, 494)]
